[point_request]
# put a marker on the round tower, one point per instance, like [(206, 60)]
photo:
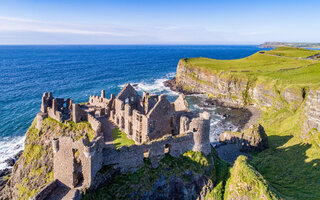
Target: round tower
[(201, 131)]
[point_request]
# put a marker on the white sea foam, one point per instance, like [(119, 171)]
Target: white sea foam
[(154, 87), (9, 147)]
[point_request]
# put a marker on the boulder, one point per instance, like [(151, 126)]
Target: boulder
[(253, 139)]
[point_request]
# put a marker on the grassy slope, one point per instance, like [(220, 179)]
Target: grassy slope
[(246, 183), (120, 139), (290, 165)]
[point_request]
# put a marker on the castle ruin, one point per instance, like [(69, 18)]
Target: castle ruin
[(157, 126)]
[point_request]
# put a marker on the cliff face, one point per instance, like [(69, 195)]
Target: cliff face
[(238, 90), (311, 124)]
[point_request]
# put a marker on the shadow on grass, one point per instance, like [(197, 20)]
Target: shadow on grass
[(292, 167), (116, 134)]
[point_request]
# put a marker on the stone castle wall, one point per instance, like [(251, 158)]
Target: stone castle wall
[(95, 124), (76, 161)]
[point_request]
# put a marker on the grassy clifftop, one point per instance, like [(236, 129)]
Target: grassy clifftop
[(291, 67)]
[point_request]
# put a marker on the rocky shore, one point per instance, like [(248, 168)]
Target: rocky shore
[(5, 173), (242, 118)]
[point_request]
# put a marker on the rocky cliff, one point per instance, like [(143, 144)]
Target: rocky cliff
[(241, 89)]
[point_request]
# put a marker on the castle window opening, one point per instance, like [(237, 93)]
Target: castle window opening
[(195, 129), (122, 122), (167, 148), (146, 153), (171, 121), (132, 99), (118, 120), (130, 128), (126, 100)]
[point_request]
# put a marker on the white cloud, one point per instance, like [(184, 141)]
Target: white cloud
[(8, 24), (29, 31)]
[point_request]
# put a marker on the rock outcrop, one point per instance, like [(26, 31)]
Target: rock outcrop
[(253, 139)]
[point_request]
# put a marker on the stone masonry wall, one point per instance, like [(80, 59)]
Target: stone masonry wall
[(129, 159), (95, 124), (77, 160)]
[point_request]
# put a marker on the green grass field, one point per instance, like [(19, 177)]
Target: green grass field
[(120, 139), (265, 68), (293, 52)]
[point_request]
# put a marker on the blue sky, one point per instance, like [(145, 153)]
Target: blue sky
[(158, 22)]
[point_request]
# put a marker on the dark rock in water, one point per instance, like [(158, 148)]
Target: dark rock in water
[(254, 139), (10, 162), (174, 87)]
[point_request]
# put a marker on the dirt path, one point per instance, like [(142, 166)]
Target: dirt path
[(107, 127)]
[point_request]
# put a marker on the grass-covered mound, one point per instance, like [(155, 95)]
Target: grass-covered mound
[(120, 139), (247, 183), (34, 168), (193, 172)]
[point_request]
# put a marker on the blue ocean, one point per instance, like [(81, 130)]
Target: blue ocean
[(77, 72)]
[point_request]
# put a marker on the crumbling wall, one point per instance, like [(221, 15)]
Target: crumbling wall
[(161, 119), (95, 124), (181, 104), (77, 162), (130, 158), (99, 101)]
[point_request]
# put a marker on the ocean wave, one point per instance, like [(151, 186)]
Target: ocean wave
[(9, 147), (154, 87)]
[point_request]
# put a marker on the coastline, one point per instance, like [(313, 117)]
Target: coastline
[(243, 118)]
